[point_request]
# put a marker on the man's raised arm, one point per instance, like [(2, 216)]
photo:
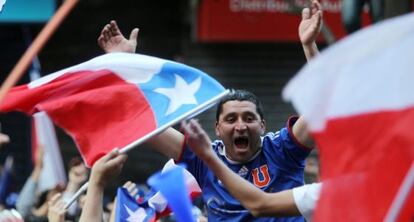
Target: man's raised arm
[(170, 143), (111, 39), (309, 29)]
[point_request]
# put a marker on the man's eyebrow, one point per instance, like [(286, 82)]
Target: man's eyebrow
[(243, 113), (229, 114)]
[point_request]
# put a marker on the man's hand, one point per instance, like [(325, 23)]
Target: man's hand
[(112, 40), (197, 139), (131, 187), (311, 24), (106, 168), (56, 211)]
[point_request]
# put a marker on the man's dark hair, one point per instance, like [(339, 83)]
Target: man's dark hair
[(240, 95)]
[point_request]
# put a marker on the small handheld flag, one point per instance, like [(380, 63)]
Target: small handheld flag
[(172, 186)]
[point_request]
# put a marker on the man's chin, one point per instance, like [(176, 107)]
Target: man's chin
[(242, 154)]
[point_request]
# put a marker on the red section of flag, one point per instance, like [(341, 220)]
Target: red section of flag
[(97, 108), (365, 159)]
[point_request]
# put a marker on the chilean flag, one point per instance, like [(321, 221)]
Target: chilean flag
[(154, 205), (358, 99), (128, 209), (116, 100)]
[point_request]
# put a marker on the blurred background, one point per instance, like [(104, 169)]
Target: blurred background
[(248, 44)]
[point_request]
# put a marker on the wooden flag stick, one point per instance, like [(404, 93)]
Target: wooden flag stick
[(36, 46)]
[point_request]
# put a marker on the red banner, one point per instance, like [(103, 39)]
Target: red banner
[(261, 20)]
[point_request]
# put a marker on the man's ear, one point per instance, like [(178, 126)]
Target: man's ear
[(263, 127), (217, 129)]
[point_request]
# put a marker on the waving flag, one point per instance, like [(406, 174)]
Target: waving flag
[(154, 205), (359, 104), (128, 209), (53, 170), (192, 186), (116, 100), (171, 184)]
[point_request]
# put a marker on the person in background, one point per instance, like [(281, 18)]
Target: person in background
[(56, 210), (352, 10), (3, 177), (31, 206), (77, 174)]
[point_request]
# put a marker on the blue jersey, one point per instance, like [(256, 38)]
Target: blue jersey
[(277, 166)]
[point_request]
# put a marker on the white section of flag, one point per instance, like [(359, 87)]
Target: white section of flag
[(158, 201), (134, 68), (369, 71)]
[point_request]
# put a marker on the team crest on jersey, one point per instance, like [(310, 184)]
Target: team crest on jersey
[(243, 171), (220, 183), (261, 177)]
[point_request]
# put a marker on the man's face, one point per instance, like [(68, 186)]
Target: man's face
[(240, 128)]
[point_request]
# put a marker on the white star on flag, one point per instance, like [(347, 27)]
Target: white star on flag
[(181, 94), (138, 215)]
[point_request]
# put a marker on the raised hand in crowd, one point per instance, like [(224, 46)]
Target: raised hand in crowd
[(56, 211), (78, 174), (131, 187), (103, 171), (27, 201), (112, 40), (310, 27)]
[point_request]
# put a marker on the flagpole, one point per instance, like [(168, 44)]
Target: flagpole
[(189, 114), (401, 196), (37, 45), (83, 188)]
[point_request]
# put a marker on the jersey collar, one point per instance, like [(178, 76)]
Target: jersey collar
[(222, 152)]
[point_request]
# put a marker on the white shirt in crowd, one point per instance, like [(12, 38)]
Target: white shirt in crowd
[(306, 197)]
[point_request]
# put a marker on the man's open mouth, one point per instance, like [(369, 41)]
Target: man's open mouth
[(241, 142)]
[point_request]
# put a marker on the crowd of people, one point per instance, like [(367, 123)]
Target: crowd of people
[(245, 175)]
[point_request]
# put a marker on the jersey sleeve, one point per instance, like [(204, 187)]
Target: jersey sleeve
[(290, 152), (194, 165), (306, 198)]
